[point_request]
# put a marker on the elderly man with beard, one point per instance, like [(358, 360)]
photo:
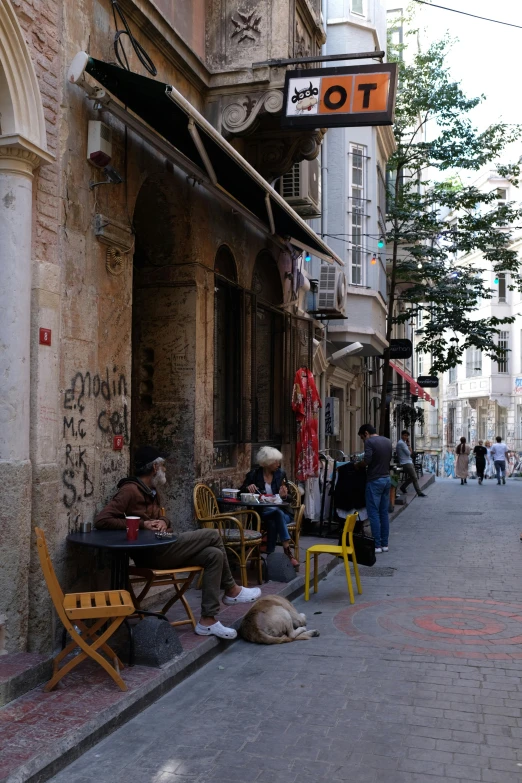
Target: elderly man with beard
[(137, 496)]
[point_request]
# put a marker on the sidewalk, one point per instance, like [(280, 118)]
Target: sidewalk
[(419, 682), (40, 732)]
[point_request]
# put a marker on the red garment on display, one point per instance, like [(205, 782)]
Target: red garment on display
[(305, 404)]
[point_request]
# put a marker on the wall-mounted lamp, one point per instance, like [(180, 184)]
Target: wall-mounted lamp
[(113, 178), (348, 349)]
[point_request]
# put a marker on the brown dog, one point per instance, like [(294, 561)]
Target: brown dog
[(274, 620)]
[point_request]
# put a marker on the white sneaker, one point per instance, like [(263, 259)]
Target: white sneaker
[(385, 548), (215, 630), (378, 550), (247, 596)]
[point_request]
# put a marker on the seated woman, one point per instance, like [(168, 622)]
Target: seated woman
[(269, 479)]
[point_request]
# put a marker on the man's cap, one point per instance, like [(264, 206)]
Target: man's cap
[(146, 454)]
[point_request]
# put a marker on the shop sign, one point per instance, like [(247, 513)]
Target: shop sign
[(518, 385), (356, 95), (401, 349), (428, 381)]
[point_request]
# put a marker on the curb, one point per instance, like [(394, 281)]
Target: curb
[(399, 509), (41, 768)]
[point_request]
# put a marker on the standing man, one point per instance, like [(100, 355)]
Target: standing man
[(404, 453), (377, 458), (499, 452), (480, 453)]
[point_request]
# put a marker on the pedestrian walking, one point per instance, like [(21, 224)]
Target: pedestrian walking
[(404, 455), (377, 458), (499, 454), (461, 468), (490, 468), (480, 453)]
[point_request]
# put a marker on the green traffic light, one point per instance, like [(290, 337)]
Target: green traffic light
[(380, 243)]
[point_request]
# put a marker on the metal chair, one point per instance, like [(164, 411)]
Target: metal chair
[(241, 532), (107, 608)]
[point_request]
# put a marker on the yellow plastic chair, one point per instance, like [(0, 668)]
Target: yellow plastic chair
[(341, 551)]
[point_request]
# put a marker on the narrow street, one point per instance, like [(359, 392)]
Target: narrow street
[(419, 682)]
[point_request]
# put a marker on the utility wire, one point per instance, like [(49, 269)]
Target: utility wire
[(465, 13)]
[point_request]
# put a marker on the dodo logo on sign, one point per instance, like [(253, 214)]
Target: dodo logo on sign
[(351, 95)]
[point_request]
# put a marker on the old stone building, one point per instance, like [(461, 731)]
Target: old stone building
[(154, 301)]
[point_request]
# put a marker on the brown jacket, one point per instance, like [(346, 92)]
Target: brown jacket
[(133, 498)]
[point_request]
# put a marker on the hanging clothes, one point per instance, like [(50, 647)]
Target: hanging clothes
[(305, 404)]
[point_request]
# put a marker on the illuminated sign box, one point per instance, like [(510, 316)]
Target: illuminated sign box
[(354, 95)]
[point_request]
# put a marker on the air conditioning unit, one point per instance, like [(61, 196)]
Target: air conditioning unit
[(300, 188), (332, 290)]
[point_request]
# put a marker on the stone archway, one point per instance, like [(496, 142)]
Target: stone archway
[(23, 147)]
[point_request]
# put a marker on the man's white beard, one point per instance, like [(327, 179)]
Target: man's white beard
[(159, 479)]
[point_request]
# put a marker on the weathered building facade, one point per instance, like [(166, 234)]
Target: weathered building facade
[(154, 309)]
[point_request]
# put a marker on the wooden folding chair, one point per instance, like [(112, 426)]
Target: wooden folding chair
[(104, 607), (240, 531), (178, 578)]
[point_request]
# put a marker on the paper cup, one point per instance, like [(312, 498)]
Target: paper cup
[(133, 525)]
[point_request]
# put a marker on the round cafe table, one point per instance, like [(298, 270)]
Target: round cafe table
[(253, 506), (120, 548)]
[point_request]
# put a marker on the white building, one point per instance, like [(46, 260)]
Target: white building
[(353, 220), (482, 398)]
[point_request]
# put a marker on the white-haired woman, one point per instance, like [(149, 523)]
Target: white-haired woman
[(267, 478)]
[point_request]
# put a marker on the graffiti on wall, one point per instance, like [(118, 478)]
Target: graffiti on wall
[(96, 400)]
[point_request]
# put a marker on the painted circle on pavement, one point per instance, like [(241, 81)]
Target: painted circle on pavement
[(458, 627)]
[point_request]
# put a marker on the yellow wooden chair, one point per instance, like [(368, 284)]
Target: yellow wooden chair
[(240, 531), (178, 578), (105, 607), (341, 551)]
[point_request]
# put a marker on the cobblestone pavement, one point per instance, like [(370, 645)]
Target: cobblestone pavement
[(419, 682)]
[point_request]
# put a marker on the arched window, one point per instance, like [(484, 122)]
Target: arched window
[(227, 357), (266, 280), (268, 359), (225, 264)]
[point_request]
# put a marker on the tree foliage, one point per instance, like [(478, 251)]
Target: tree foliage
[(435, 264)]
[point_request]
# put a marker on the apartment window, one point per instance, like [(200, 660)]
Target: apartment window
[(452, 375), (357, 7), (419, 319), (501, 195), (451, 426), (381, 184), (433, 422), (420, 364), (502, 287), (473, 362), (357, 212), (503, 343)]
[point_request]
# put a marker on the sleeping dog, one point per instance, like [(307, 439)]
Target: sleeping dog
[(274, 620)]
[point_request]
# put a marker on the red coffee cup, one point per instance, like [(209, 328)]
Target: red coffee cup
[(133, 525)]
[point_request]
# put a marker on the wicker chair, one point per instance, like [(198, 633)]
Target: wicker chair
[(294, 528), (241, 531)]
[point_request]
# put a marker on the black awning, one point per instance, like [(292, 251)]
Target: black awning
[(168, 113)]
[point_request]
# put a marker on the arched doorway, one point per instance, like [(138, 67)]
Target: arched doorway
[(165, 322)]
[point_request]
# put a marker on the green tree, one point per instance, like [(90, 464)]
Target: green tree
[(426, 253)]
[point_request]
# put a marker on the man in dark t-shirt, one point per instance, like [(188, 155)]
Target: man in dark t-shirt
[(480, 452), (377, 458)]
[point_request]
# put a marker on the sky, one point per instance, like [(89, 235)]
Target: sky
[(486, 58)]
